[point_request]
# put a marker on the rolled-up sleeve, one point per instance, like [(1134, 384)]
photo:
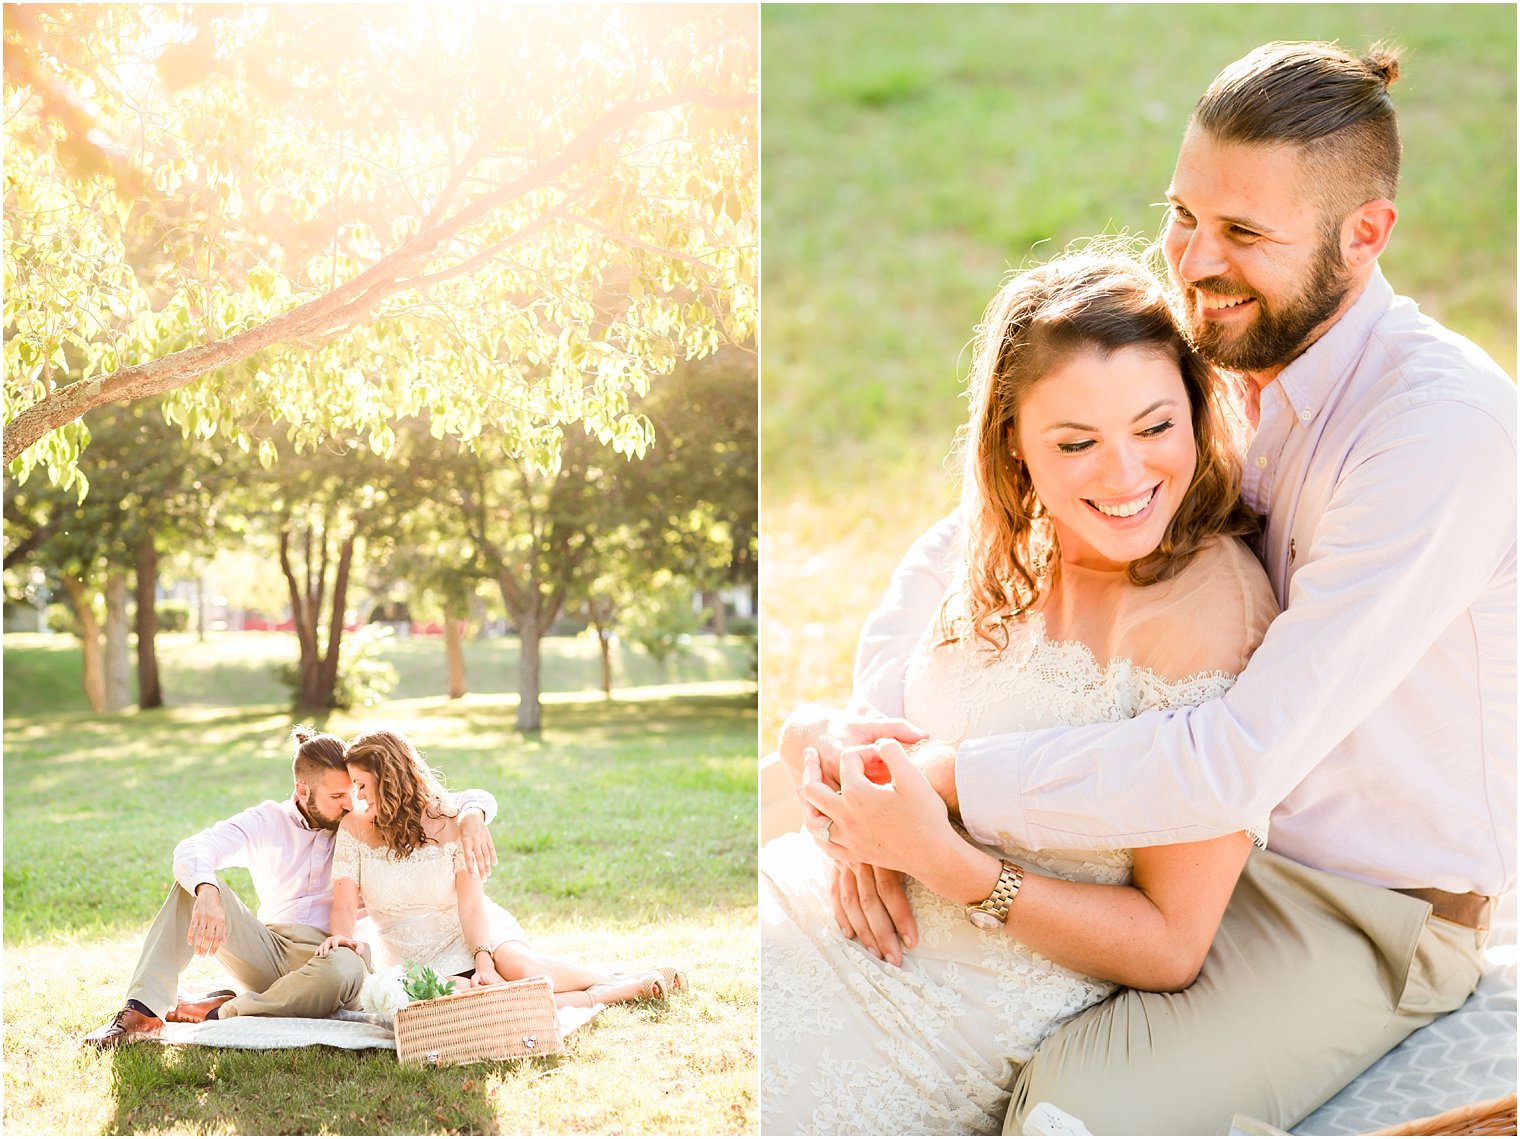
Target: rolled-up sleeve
[(227, 843), (476, 799)]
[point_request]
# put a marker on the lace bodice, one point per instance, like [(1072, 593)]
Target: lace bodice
[(960, 691), (853, 1046), (414, 904)]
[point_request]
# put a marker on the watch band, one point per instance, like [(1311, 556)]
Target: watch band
[(1007, 889)]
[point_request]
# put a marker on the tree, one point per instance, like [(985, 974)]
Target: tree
[(510, 219), (163, 488), (536, 534), (320, 508), (688, 512), (429, 546)]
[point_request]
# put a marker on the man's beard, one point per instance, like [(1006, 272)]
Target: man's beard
[(315, 816), (1273, 338)]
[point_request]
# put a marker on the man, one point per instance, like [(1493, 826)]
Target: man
[(1377, 717), (288, 848)]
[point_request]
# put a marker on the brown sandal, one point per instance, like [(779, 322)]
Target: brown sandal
[(675, 979), (648, 986)]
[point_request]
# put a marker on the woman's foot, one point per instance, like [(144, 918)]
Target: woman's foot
[(675, 979), (648, 986)]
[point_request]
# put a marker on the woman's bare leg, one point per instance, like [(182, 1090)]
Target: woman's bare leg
[(517, 959)]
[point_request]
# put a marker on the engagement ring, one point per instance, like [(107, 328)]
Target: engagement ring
[(823, 831)]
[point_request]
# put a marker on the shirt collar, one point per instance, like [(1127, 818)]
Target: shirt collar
[(1308, 382), (294, 812)]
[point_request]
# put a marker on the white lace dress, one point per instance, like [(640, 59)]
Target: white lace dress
[(415, 906), (851, 1045)]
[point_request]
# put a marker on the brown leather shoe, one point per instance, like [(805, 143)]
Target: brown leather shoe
[(126, 1027), (193, 1012)]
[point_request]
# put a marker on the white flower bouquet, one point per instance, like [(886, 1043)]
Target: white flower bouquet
[(384, 993), (390, 990)]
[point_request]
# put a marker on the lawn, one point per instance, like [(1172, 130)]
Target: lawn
[(243, 667), (915, 154), (625, 831)]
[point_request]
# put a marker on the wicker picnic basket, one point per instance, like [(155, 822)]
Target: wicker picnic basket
[(501, 1022), (1491, 1117)]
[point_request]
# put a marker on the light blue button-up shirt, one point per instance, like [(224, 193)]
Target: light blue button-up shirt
[(1378, 715)]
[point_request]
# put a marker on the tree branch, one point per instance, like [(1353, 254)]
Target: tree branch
[(625, 239), (351, 300)]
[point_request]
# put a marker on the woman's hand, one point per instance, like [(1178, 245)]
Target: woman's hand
[(337, 941), (870, 902), (485, 972), (889, 825)]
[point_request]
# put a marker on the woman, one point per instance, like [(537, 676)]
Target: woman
[(1101, 575), (398, 851)]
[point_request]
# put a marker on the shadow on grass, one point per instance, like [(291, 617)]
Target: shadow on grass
[(304, 1091)]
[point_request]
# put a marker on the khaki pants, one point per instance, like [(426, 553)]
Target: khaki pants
[(274, 962), (1310, 979)]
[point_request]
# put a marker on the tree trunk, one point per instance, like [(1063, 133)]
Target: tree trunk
[(89, 635), (118, 651), (453, 648), (328, 673), (604, 642), (319, 669), (530, 713), (720, 614), (149, 693)]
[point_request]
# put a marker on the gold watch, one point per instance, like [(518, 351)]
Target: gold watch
[(993, 912)]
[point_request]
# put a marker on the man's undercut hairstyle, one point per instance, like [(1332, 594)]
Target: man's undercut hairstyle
[(315, 753), (1332, 105)]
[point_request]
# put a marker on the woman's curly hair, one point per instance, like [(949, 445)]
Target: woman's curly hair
[(406, 790), (1082, 302)]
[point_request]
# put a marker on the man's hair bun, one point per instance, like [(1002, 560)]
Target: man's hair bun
[(1385, 62)]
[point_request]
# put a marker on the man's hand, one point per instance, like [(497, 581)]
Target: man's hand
[(830, 731), (475, 837), (871, 906), (208, 921), (936, 759)]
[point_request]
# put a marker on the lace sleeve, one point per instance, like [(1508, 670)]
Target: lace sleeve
[(345, 857)]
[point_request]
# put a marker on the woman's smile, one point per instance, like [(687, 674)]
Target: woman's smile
[(1125, 510), (1108, 440)]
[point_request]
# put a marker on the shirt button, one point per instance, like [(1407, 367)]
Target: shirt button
[(1306, 415), (1261, 460)]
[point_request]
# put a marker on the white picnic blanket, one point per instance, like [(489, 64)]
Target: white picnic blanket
[(341, 1030), (1464, 1057)]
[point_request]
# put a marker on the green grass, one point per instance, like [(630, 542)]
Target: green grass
[(242, 667), (625, 833), (914, 154)]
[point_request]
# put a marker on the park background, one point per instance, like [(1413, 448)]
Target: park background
[(914, 155), (471, 293)]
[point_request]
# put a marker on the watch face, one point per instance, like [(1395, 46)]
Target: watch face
[(982, 919)]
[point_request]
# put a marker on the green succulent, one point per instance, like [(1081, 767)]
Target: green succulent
[(422, 984)]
